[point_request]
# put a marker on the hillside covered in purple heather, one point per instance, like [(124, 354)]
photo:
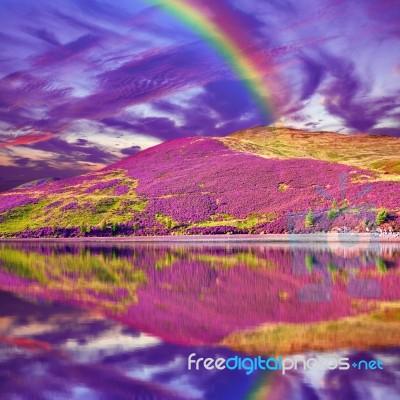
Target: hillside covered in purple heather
[(263, 180)]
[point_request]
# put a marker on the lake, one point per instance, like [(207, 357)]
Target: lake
[(119, 321)]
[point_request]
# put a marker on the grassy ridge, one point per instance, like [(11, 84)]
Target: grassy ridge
[(380, 154)]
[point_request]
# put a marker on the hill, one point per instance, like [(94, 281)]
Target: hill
[(270, 180), (372, 152)]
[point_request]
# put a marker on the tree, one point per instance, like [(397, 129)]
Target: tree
[(83, 229), (309, 220), (381, 217), (169, 223)]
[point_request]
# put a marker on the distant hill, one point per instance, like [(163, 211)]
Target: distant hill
[(262, 180), (37, 182)]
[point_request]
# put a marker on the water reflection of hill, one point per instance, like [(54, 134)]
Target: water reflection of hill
[(204, 294)]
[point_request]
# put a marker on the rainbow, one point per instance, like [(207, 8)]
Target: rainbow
[(262, 388), (246, 68)]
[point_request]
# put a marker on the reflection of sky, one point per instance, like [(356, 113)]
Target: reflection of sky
[(91, 357), (84, 83)]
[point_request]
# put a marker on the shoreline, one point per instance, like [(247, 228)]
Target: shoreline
[(372, 238)]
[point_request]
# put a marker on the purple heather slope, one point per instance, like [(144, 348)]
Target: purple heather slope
[(191, 179), (204, 187)]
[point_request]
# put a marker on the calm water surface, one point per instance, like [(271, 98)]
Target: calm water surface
[(95, 321)]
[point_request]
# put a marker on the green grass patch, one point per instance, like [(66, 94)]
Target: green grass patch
[(30, 216), (101, 208), (105, 205), (331, 214), (166, 220), (227, 220)]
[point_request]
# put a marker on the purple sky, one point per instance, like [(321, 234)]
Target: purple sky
[(84, 83)]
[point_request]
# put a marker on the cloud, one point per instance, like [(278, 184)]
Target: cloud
[(54, 157), (131, 150), (386, 131), (82, 151), (348, 96), (22, 95), (63, 53), (344, 91), (26, 139), (207, 113), (164, 128), (45, 35), (314, 73), (144, 79)]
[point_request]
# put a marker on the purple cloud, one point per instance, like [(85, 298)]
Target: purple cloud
[(131, 150), (62, 53), (348, 96), (141, 80), (44, 35), (73, 152)]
